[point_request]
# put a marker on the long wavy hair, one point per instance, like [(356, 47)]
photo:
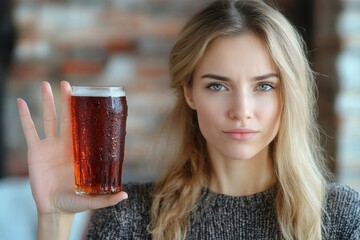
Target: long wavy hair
[(296, 150)]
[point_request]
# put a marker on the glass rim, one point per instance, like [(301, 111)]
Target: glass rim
[(98, 91)]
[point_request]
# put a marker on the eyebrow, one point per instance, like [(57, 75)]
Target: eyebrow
[(266, 76), (223, 78)]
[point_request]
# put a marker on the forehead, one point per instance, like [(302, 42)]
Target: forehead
[(242, 55)]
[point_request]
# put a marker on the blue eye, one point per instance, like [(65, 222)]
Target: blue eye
[(216, 87), (264, 87)]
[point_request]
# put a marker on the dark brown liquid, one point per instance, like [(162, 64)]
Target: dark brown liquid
[(98, 127)]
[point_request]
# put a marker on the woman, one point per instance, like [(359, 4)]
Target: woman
[(247, 163)]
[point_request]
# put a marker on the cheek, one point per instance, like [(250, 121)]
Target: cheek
[(208, 113), (269, 114), (269, 104), (205, 116)]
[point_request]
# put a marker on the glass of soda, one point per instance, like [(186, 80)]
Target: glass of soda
[(98, 116)]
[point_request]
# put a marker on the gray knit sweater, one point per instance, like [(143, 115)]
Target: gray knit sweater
[(219, 216)]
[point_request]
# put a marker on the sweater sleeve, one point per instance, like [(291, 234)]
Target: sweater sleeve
[(343, 212), (126, 220)]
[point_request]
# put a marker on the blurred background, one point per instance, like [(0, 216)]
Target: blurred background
[(127, 42)]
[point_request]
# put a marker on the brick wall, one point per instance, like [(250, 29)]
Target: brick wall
[(348, 98), (337, 59), (109, 42), (127, 42), (325, 51)]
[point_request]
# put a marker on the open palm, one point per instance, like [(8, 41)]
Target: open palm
[(50, 159)]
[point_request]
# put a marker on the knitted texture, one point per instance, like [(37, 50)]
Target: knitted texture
[(219, 216)]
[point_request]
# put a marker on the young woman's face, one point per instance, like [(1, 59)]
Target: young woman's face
[(236, 93)]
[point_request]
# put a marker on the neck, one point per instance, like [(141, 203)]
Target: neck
[(242, 177)]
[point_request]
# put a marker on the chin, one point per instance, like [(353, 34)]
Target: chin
[(240, 156), (243, 153)]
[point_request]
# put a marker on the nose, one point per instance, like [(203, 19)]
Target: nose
[(241, 106)]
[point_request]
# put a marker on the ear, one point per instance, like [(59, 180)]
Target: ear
[(188, 96)]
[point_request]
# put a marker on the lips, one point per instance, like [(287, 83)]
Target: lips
[(241, 134)]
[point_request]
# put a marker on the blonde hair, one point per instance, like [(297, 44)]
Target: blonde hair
[(296, 150)]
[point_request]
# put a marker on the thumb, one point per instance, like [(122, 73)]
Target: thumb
[(85, 203), (106, 200)]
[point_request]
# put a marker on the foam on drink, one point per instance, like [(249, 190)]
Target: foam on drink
[(83, 91)]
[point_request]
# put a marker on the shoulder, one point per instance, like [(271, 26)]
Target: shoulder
[(128, 219), (336, 193), (335, 189), (342, 208), (341, 195)]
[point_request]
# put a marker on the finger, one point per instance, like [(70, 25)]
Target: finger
[(27, 123), (106, 201), (49, 110), (84, 203), (65, 126)]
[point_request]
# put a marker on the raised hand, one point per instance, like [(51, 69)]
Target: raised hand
[(50, 160)]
